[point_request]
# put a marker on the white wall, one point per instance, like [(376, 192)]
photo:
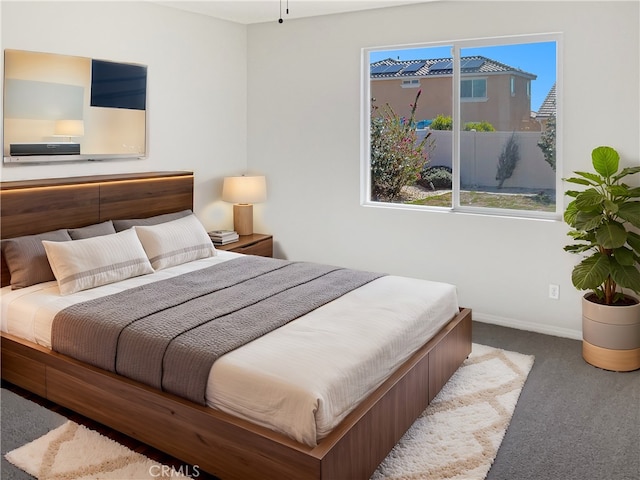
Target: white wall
[(298, 86), (197, 81), (304, 99)]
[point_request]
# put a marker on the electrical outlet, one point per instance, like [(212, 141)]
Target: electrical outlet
[(554, 291)]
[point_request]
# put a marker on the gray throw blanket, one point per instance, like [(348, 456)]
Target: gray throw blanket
[(167, 334)]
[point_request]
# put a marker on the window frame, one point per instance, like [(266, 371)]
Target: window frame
[(456, 47), (474, 98)]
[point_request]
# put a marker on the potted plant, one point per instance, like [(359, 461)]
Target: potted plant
[(604, 219)]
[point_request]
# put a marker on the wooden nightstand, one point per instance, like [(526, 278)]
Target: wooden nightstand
[(255, 244)]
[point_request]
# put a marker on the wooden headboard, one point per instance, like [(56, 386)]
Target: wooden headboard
[(35, 206)]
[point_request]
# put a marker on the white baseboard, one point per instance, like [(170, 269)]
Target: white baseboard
[(528, 326)]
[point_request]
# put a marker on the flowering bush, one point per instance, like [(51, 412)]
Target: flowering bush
[(397, 158)]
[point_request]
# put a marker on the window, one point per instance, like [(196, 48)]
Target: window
[(473, 89), (413, 83), (478, 135)]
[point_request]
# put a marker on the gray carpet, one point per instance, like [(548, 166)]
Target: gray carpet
[(22, 422), (572, 422)]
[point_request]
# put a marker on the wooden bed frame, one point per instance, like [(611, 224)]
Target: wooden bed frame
[(217, 443)]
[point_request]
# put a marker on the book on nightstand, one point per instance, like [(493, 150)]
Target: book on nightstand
[(222, 237)]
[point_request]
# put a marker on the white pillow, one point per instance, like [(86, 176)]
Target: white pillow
[(91, 262), (175, 242)]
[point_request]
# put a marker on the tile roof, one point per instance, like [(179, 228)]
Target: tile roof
[(390, 68), (548, 107)]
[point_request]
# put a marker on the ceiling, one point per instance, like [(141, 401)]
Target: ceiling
[(259, 11)]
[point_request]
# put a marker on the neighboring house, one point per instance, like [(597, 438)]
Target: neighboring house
[(548, 107), (491, 91)]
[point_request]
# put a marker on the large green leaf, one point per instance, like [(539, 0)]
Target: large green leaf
[(630, 211), (611, 207), (583, 236), (626, 276), (595, 179), (570, 213), (633, 239), (611, 235), (591, 272), (589, 199), (624, 256), (605, 161), (625, 172), (588, 220), (619, 190), (579, 181), (577, 248)]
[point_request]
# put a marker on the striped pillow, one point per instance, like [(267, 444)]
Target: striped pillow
[(175, 242), (91, 262)]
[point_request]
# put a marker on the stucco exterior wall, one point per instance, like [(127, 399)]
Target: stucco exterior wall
[(502, 110)]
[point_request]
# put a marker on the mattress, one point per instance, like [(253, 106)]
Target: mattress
[(301, 379)]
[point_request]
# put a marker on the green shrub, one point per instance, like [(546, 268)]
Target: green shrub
[(436, 178), (479, 127), (442, 123), (547, 142)]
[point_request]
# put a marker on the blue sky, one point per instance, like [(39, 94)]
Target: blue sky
[(537, 58)]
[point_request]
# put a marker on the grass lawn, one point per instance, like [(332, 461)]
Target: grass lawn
[(491, 200)]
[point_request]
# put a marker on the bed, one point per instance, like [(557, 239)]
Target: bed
[(221, 443)]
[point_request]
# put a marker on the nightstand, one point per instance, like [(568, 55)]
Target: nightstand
[(254, 244)]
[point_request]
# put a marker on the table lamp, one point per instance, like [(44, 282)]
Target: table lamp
[(243, 192)]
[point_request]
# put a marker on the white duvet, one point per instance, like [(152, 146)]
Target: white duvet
[(303, 378)]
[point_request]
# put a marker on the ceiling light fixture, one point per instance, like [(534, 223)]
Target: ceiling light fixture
[(280, 20)]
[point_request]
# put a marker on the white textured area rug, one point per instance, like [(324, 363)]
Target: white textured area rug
[(73, 452), (456, 437), (459, 433)]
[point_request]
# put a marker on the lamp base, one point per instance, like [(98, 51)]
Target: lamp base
[(243, 218)]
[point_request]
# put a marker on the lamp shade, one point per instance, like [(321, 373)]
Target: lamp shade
[(69, 128), (244, 189)]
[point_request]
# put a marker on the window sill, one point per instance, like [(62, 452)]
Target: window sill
[(474, 211)]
